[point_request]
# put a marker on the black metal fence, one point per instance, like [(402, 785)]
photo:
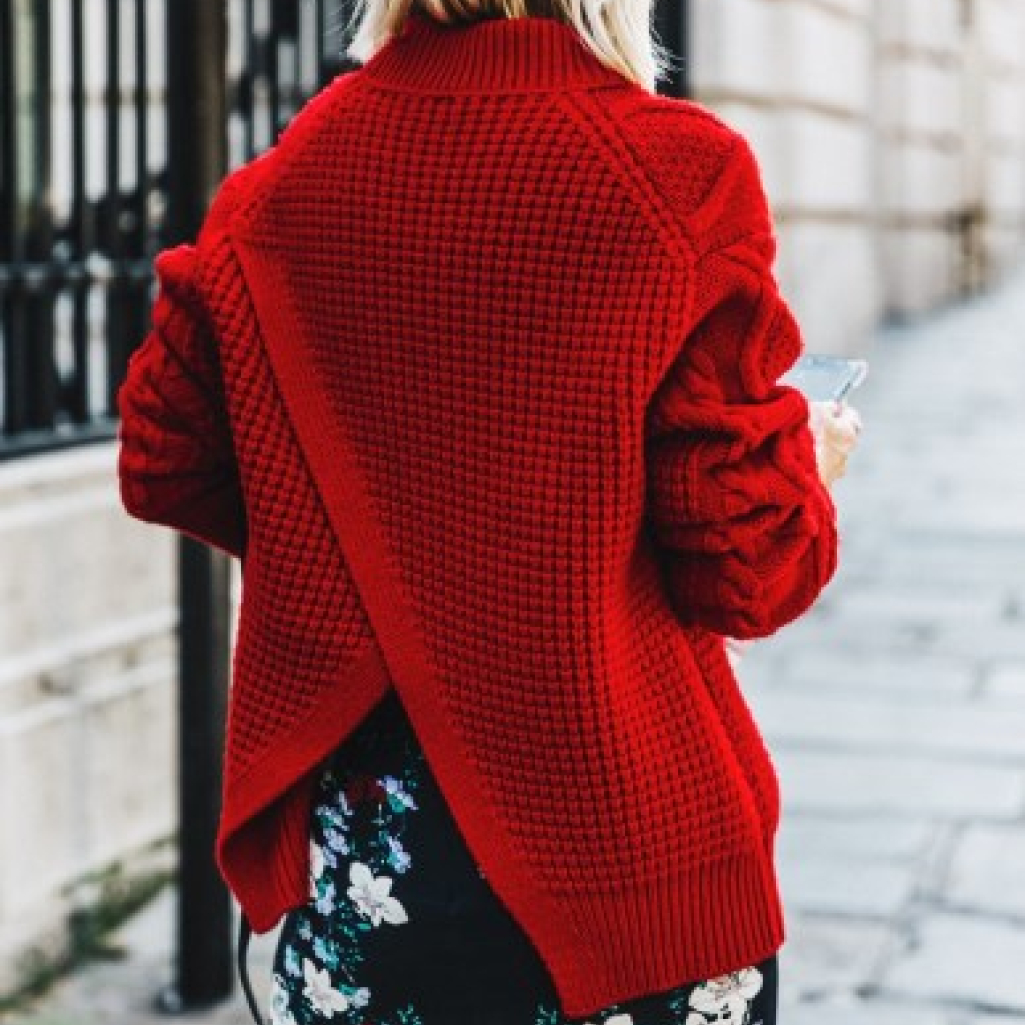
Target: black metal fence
[(83, 184)]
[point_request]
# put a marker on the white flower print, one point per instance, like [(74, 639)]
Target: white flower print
[(394, 788), (279, 1012), (326, 1000), (725, 997), (333, 815), (617, 1019), (316, 867), (372, 897), (325, 902), (336, 841), (397, 856), (292, 966)]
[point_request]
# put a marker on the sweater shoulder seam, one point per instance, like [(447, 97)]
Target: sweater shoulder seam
[(634, 168), (604, 128), (677, 245)]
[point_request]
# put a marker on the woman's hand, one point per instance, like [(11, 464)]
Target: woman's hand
[(836, 427)]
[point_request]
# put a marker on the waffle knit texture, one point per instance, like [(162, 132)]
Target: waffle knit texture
[(476, 371)]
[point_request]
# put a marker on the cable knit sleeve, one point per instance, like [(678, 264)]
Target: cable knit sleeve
[(176, 463), (746, 528)]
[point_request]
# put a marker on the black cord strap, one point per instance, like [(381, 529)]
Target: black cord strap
[(244, 932)]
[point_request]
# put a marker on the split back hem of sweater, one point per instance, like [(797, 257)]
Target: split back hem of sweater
[(264, 852)]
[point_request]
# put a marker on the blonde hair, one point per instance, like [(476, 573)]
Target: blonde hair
[(620, 33)]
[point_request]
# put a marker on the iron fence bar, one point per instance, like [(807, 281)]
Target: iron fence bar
[(247, 106), (126, 293), (320, 37), (30, 394), (44, 383), (272, 68), (114, 295), (79, 229), (15, 399), (8, 235), (112, 125), (142, 192), (672, 22)]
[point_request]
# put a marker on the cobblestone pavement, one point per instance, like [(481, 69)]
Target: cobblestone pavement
[(894, 710)]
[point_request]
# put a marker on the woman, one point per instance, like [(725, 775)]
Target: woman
[(476, 372)]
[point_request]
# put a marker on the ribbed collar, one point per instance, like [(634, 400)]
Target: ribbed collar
[(494, 55)]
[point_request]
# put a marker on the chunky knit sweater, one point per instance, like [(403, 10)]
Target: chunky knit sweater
[(476, 370)]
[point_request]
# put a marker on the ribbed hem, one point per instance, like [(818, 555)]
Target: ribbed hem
[(638, 940), (494, 55)]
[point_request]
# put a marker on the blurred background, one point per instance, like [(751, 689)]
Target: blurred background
[(891, 134)]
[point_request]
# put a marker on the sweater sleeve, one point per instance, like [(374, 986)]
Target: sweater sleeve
[(176, 462), (746, 529)]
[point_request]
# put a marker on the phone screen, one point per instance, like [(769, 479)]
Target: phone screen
[(821, 377)]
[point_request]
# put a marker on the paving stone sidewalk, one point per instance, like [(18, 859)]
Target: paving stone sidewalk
[(894, 710)]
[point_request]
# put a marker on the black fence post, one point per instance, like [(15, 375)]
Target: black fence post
[(197, 162), (672, 24), (27, 296)]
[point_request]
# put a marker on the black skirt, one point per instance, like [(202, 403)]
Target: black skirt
[(402, 927)]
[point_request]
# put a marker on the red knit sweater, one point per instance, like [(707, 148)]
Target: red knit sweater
[(476, 370)]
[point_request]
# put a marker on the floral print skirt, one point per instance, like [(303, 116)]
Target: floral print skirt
[(402, 928)]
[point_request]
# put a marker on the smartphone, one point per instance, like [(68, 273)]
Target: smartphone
[(821, 377)]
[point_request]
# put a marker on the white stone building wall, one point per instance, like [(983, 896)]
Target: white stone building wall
[(892, 139), (87, 697)]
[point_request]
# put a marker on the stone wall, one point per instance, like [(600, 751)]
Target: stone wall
[(88, 625), (892, 140)]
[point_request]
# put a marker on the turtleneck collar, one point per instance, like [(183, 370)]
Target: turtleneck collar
[(494, 55)]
